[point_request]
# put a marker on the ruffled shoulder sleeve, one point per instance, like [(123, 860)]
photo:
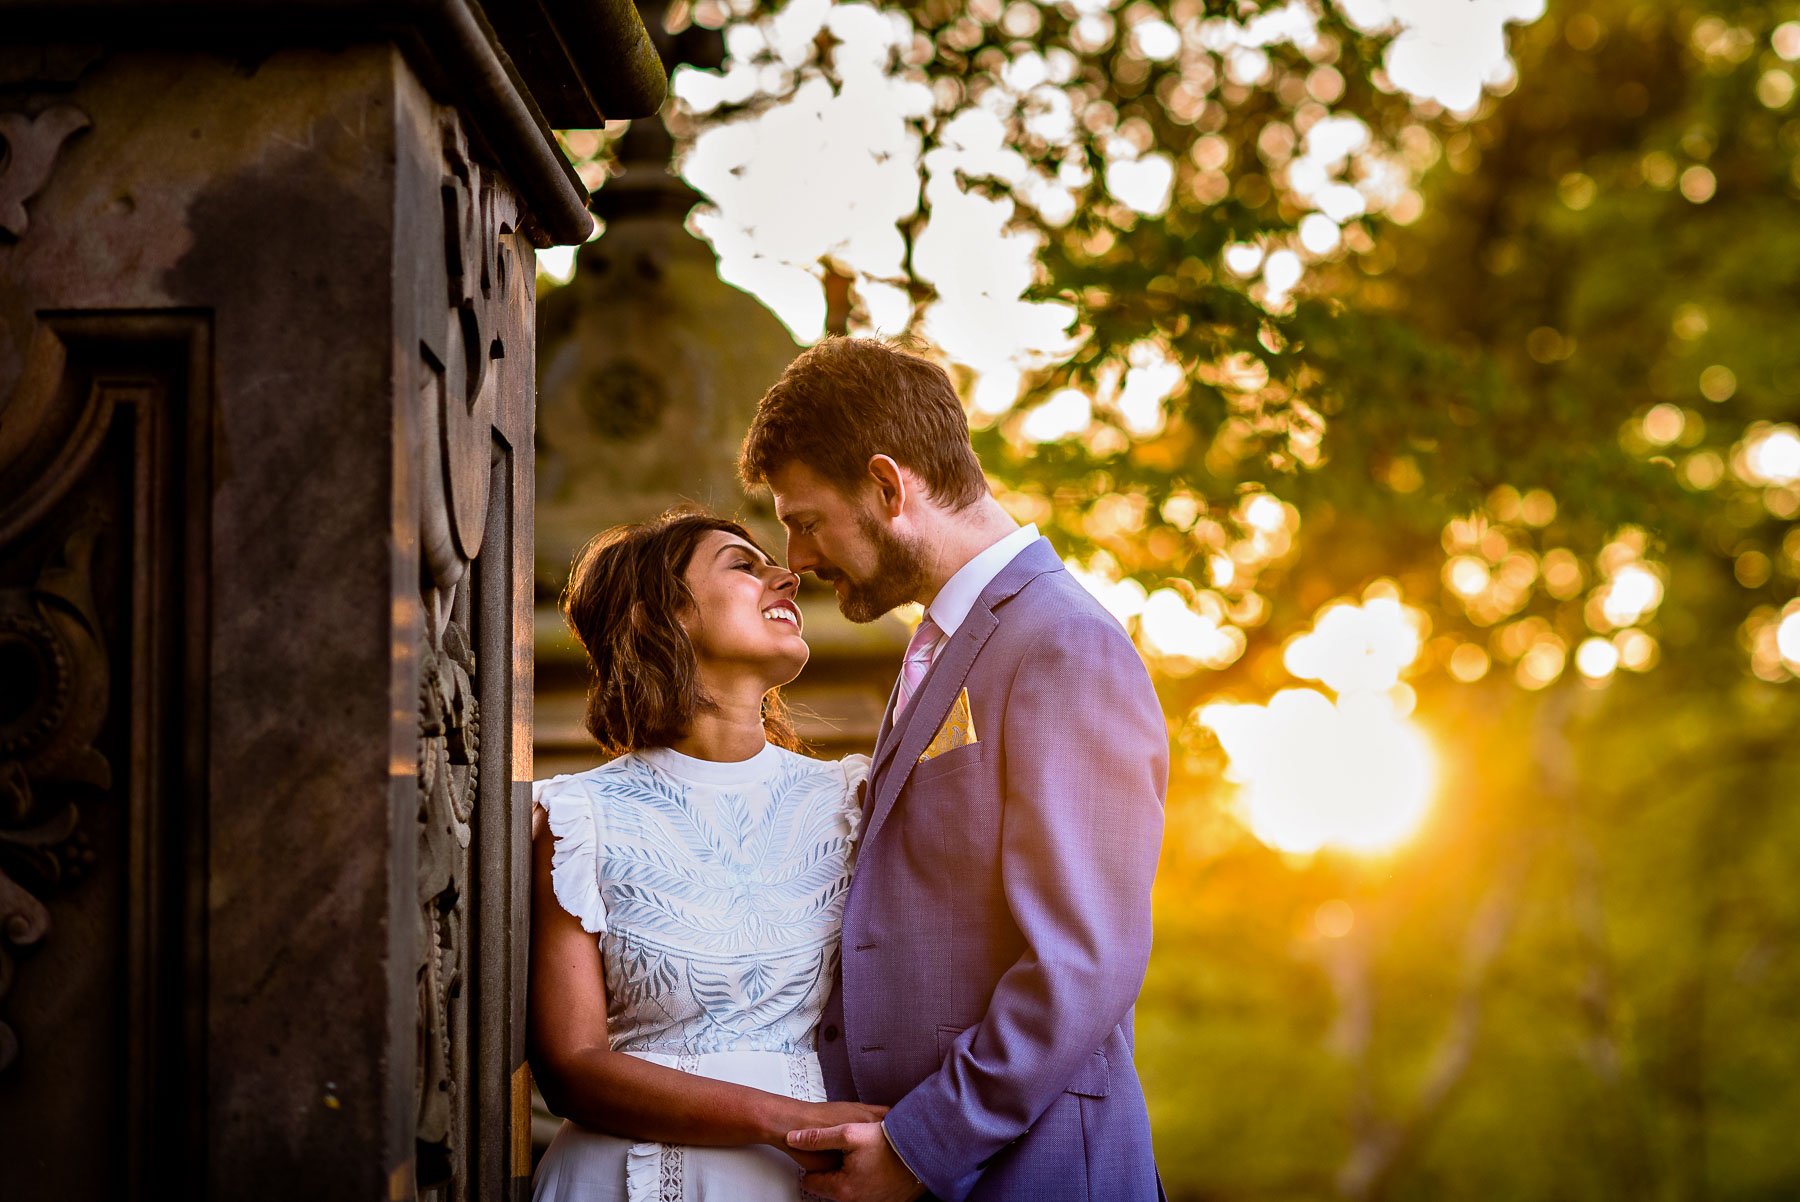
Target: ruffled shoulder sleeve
[(575, 863), (856, 782)]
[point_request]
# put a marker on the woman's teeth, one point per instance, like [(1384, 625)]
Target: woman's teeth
[(779, 613)]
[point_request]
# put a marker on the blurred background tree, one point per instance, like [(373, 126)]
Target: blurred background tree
[(1415, 379)]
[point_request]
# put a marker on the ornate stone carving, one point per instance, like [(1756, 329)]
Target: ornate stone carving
[(449, 773), (457, 409), (101, 936), (28, 149), (54, 663), (458, 421)]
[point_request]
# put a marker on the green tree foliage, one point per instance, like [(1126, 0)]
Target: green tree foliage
[(1592, 252)]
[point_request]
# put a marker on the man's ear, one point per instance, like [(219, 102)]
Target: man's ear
[(892, 484)]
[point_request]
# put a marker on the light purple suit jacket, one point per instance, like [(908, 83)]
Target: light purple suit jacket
[(998, 924)]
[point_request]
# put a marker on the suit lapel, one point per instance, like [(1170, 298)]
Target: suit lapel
[(911, 733), (952, 661), (905, 736), (884, 743)]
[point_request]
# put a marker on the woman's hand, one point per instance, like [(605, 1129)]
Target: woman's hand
[(831, 1114), (826, 1114)]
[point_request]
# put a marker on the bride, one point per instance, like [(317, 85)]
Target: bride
[(686, 895)]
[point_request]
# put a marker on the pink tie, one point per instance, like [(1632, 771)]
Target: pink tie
[(919, 654)]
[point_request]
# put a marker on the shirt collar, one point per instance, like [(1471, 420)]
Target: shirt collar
[(960, 592)]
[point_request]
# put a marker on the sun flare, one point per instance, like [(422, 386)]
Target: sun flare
[(1355, 773)]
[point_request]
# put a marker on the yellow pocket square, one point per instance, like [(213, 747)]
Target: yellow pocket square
[(958, 730)]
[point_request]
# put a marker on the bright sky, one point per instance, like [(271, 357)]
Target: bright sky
[(827, 172)]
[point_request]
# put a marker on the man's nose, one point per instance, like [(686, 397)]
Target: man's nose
[(800, 557)]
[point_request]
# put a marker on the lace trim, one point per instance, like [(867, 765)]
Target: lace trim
[(806, 1081), (673, 1171), (658, 1172), (674, 1164)]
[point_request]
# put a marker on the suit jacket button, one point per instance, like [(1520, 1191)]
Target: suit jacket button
[(830, 1032)]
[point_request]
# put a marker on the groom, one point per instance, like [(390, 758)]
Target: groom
[(998, 923)]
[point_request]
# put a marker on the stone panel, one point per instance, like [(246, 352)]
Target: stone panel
[(101, 581)]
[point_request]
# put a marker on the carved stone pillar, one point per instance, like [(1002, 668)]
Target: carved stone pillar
[(266, 458)]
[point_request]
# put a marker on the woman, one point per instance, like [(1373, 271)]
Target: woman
[(686, 895)]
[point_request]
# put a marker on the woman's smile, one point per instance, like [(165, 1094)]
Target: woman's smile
[(783, 611)]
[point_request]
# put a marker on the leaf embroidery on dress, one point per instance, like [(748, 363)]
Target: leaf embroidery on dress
[(723, 904)]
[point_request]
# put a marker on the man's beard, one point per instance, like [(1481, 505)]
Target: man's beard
[(899, 575)]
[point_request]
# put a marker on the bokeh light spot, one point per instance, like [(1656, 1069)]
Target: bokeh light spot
[(1334, 919), (1718, 383), (1542, 664), (1062, 416), (1786, 40), (1596, 658), (1787, 639), (1698, 184), (1469, 663), (1663, 424), (1631, 594), (1770, 455)]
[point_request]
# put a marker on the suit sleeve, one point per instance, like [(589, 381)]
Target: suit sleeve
[(1085, 756)]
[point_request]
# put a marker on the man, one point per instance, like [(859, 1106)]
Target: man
[(998, 924)]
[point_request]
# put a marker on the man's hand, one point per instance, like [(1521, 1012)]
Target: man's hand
[(825, 1115), (871, 1172)]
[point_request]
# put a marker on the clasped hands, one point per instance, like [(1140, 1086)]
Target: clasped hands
[(853, 1161)]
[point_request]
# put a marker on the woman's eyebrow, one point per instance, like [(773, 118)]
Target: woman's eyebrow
[(747, 549)]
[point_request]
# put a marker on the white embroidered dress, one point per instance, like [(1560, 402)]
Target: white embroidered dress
[(717, 891)]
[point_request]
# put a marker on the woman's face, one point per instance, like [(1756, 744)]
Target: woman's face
[(744, 614)]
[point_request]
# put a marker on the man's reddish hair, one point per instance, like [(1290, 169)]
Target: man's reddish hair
[(845, 401)]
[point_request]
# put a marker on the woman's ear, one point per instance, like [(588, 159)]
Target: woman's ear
[(681, 599)]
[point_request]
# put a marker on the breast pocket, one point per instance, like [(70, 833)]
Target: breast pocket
[(953, 799), (949, 810), (946, 764)]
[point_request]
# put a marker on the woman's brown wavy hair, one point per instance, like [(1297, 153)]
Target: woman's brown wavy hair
[(626, 590)]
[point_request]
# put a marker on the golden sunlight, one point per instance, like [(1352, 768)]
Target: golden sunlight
[(1355, 774), (1352, 774)]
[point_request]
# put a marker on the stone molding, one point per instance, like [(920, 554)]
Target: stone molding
[(454, 48)]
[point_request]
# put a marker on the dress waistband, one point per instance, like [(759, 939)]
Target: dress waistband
[(651, 1166), (797, 1074)]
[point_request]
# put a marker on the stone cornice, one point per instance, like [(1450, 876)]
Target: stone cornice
[(589, 60)]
